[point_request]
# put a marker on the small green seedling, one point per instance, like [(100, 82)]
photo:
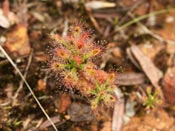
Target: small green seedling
[(151, 100)]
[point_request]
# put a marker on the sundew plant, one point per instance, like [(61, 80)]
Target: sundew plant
[(72, 59)]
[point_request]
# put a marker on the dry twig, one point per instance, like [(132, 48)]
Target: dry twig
[(22, 82)]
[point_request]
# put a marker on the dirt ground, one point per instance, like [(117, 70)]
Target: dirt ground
[(136, 39)]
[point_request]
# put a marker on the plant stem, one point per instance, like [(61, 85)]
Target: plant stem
[(135, 20)]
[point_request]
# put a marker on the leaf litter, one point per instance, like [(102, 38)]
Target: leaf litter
[(27, 29)]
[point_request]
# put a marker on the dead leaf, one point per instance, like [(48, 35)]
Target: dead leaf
[(47, 123), (130, 78), (6, 7), (4, 22), (18, 41), (169, 85), (153, 73), (70, 1), (65, 101), (38, 16), (145, 63), (117, 120), (99, 4), (151, 49)]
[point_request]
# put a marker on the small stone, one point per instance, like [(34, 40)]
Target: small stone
[(79, 112)]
